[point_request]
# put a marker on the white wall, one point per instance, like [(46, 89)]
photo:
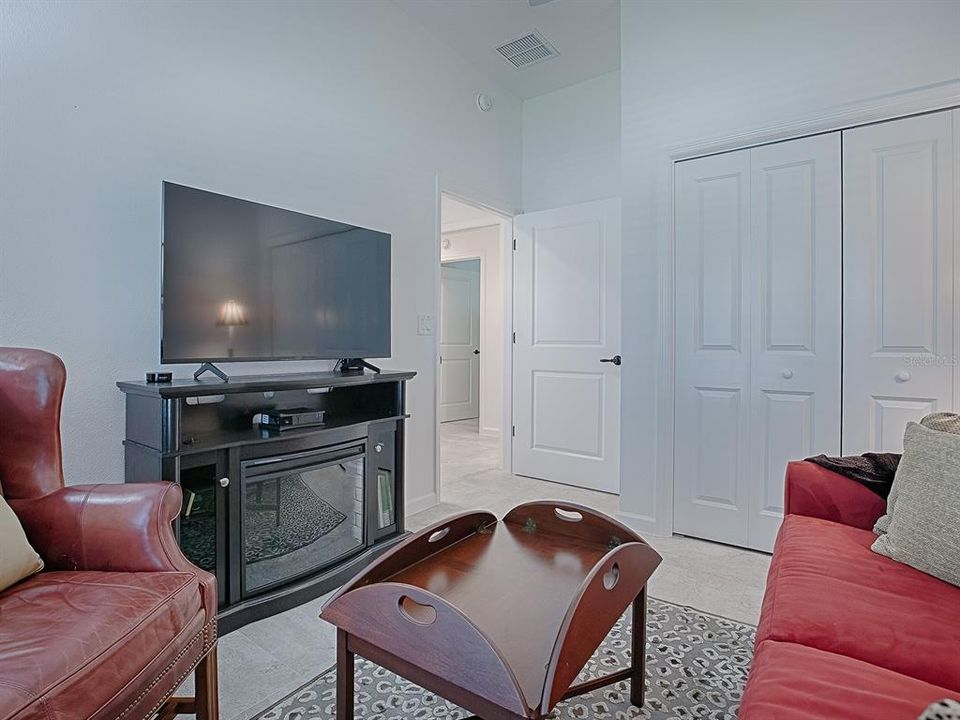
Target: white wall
[(347, 110), (571, 144), (484, 243), (697, 71)]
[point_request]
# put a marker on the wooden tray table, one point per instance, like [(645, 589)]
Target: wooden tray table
[(498, 617)]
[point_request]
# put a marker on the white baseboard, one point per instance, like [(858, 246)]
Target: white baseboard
[(424, 502), (642, 524), (490, 431)]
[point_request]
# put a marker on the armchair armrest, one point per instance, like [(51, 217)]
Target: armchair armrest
[(110, 527), (814, 491)]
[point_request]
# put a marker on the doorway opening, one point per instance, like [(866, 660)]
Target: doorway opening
[(473, 328)]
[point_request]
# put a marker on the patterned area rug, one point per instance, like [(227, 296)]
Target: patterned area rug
[(697, 666)]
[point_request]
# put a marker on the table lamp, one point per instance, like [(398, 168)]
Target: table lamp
[(231, 315)]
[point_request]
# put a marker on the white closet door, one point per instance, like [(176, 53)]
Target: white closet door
[(796, 229), (712, 414), (898, 278)]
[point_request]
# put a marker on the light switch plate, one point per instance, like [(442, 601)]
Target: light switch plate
[(424, 324)]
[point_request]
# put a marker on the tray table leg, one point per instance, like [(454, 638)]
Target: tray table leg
[(344, 678), (638, 648)]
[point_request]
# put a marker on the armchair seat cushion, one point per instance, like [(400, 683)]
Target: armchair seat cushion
[(828, 590), (92, 644)]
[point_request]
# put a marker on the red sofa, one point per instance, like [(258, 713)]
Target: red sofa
[(118, 617), (845, 632)]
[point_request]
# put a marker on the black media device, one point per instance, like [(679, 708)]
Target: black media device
[(355, 366), (244, 281), (292, 418), (159, 377)]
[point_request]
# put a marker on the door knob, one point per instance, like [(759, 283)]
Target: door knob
[(903, 376), (224, 481), (378, 447), (476, 352), (787, 374), (616, 360)]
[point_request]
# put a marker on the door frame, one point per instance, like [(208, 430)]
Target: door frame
[(913, 102), (504, 214), (481, 263)]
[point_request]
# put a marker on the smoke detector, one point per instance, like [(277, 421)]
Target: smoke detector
[(484, 102), (528, 50)]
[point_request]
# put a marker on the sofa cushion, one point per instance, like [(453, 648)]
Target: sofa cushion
[(828, 590), (78, 638), (795, 682)]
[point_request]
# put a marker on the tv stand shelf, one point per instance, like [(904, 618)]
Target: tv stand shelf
[(334, 502), (187, 387)]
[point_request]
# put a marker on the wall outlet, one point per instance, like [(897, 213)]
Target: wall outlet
[(424, 324)]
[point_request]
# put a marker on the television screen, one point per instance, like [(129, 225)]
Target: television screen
[(244, 281)]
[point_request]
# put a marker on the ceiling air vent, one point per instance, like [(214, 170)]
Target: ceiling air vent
[(527, 50)]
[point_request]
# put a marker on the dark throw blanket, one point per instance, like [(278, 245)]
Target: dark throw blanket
[(873, 470)]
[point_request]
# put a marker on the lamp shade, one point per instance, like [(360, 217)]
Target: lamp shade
[(231, 314)]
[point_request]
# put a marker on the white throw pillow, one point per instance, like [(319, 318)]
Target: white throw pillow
[(17, 559)]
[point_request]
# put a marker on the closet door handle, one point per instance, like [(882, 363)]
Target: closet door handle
[(903, 376), (616, 360), (787, 374)]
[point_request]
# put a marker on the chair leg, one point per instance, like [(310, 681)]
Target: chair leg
[(344, 678), (207, 690), (638, 648)]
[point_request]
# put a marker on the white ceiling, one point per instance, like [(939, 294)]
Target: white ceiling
[(586, 33)]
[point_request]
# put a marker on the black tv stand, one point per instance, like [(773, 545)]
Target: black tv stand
[(355, 366), (203, 436), (210, 367)]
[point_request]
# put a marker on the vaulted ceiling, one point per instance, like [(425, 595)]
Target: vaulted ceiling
[(585, 34)]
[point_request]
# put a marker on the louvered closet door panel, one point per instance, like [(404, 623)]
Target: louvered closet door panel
[(712, 415), (898, 192), (796, 314)]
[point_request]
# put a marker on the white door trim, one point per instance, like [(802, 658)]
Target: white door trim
[(926, 99)]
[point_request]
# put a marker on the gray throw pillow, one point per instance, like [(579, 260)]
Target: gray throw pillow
[(942, 421), (924, 528)]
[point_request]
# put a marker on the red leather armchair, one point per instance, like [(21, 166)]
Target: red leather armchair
[(119, 617)]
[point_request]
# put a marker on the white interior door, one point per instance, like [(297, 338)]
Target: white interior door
[(567, 323), (898, 267), (712, 413), (459, 341), (796, 241), (758, 332)]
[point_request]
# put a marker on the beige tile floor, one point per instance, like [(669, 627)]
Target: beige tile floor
[(265, 661)]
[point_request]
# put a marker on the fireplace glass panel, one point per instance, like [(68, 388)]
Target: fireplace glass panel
[(302, 518), (199, 535)]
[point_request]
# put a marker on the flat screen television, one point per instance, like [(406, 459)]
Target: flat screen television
[(244, 281)]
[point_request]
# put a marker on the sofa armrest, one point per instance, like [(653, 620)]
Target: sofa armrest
[(110, 527), (814, 491)]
